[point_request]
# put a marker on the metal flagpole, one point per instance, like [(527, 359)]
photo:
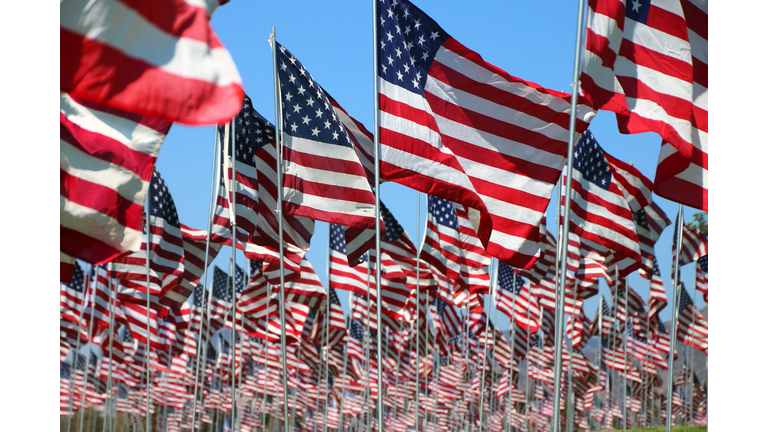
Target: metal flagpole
[(600, 347), (527, 366), (570, 395), (614, 329), (495, 266), (367, 343), (279, 211), (563, 245), (346, 378), (397, 371), (377, 157), (673, 333), (205, 271), (108, 417), (327, 324), (466, 368), (266, 369), (512, 361), (626, 330), (230, 136), (149, 329), (76, 354), (418, 282), (88, 359)]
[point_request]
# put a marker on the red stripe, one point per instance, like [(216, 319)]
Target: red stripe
[(457, 80), (404, 111), (331, 165), (107, 149), (656, 61), (696, 19), (178, 18), (667, 22), (103, 74), (323, 190), (95, 196)]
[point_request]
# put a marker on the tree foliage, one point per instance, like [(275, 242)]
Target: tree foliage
[(699, 224)]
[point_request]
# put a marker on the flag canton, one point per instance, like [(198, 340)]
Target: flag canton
[(605, 307), (637, 10), (160, 201), (408, 42), (337, 239), (78, 278), (222, 289), (443, 211), (507, 279), (252, 132), (255, 266), (64, 371), (307, 113), (197, 296), (239, 279), (662, 327), (656, 267), (703, 263), (589, 160), (127, 335), (392, 228), (356, 330), (641, 218), (536, 341), (334, 297), (684, 300)]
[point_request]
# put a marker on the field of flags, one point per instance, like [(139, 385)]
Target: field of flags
[(145, 345)]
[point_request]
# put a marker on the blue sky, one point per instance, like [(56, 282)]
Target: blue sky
[(530, 40)]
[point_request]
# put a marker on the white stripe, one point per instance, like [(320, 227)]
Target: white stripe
[(134, 136), (327, 204), (332, 178), (116, 25)]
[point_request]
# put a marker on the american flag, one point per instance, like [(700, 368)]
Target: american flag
[(515, 300), (97, 303), (456, 127), (396, 242), (702, 276), (337, 327), (657, 298), (361, 279), (307, 289), (636, 187), (318, 152), (648, 63), (107, 60), (692, 328), (194, 261), (442, 247), (452, 322), (72, 296), (649, 223), (166, 253), (662, 337), (257, 299), (475, 261), (692, 247), (639, 348), (102, 190), (599, 211)]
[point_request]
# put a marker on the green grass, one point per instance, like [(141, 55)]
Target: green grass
[(676, 429)]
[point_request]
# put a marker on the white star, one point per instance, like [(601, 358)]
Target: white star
[(421, 40), (406, 67), (301, 90), (407, 28), (418, 24), (291, 78), (603, 182), (293, 60), (283, 66), (336, 136), (315, 132), (288, 96), (294, 127), (327, 124), (399, 75), (434, 36), (296, 108), (383, 69), (389, 37), (405, 13), (383, 45), (398, 52), (636, 6), (302, 71), (305, 119), (390, 13), (409, 45), (397, 27), (418, 75), (390, 60), (382, 20), (310, 101), (319, 113), (415, 83), (425, 55)]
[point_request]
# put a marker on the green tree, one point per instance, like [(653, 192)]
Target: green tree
[(699, 224)]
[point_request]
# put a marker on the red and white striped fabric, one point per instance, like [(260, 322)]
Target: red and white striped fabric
[(441, 247), (106, 162), (306, 290), (702, 276), (657, 296), (692, 247), (638, 63), (686, 179), (649, 223), (148, 58), (194, 261), (692, 328), (474, 259), (136, 315), (637, 188), (469, 132)]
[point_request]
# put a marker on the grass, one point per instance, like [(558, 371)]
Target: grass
[(675, 429)]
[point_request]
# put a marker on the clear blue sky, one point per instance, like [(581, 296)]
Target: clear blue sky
[(530, 40)]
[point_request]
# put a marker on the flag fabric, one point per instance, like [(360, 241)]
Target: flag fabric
[(514, 299), (702, 276), (692, 247), (649, 223), (107, 157), (638, 63), (636, 187), (458, 128), (679, 178), (194, 259), (657, 297), (599, 211), (692, 328), (474, 259), (166, 253), (442, 245), (164, 61), (72, 296), (323, 177)]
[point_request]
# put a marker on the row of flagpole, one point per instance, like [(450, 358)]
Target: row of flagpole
[(561, 261)]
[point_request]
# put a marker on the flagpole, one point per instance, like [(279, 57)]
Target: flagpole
[(346, 378), (513, 334), (566, 219), (569, 402), (88, 359), (397, 371), (673, 334), (495, 267), (600, 348), (527, 365), (367, 343), (418, 283), (149, 319), (111, 341), (626, 331), (205, 270), (266, 369), (327, 324), (466, 368), (230, 136), (279, 211)]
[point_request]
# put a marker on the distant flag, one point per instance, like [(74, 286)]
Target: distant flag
[(702, 276), (72, 295), (188, 76), (692, 328), (107, 159), (515, 300), (599, 211), (323, 177), (657, 298), (458, 128), (692, 247), (442, 247), (647, 62), (649, 223)]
